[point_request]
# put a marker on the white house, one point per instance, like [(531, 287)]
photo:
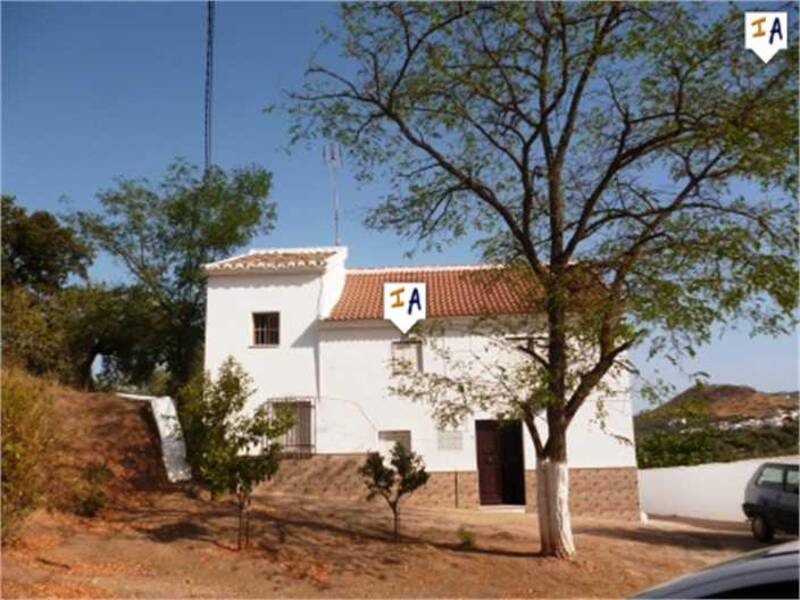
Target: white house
[(311, 332)]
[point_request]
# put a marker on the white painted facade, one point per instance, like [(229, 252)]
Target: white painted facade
[(344, 367)]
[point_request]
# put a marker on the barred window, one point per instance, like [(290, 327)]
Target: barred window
[(300, 438), (266, 329)]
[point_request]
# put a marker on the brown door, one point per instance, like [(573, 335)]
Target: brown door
[(490, 467)]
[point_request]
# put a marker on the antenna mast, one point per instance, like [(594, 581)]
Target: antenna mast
[(332, 155), (209, 81)]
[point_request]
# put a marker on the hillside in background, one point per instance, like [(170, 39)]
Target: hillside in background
[(717, 423), (731, 402)]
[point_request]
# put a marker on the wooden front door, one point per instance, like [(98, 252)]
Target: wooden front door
[(490, 466), (501, 468)]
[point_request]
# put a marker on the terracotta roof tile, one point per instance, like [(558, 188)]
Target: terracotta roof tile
[(451, 292), (271, 260)]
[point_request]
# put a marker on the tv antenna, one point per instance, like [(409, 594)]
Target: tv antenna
[(332, 155)]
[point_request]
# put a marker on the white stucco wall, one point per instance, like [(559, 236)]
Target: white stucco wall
[(356, 405), (711, 491), (345, 366), (288, 369)]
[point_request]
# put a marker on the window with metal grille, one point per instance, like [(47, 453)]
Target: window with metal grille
[(266, 329), (300, 438)]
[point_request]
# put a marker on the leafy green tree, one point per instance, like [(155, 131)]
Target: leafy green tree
[(122, 325), (39, 251), (405, 473), (32, 338), (636, 144), (686, 434), (163, 234), (229, 451)]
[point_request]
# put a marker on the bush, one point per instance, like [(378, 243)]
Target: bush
[(92, 498), (28, 444), (466, 539)]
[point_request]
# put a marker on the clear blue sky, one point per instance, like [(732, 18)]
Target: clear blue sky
[(92, 91)]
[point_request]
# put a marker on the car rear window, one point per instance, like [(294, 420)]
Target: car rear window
[(771, 477)]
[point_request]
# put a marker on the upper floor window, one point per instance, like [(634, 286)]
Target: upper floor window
[(407, 351), (266, 329)]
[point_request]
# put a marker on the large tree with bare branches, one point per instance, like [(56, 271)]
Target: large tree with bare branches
[(641, 140)]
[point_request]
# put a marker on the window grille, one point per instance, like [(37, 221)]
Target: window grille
[(266, 329)]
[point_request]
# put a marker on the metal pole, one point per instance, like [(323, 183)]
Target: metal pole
[(209, 94)]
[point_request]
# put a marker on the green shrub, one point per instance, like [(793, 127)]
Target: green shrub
[(466, 539), (28, 444), (92, 497)]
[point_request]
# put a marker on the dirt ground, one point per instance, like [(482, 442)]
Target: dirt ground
[(176, 546), (153, 540)]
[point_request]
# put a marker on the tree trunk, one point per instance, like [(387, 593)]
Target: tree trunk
[(396, 524), (241, 524), (552, 505), (247, 524)]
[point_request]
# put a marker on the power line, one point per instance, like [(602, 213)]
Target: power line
[(209, 81)]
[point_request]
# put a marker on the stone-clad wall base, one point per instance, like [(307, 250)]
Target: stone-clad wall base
[(600, 492), (611, 492), (336, 476)]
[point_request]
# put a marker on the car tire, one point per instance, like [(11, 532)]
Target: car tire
[(761, 529)]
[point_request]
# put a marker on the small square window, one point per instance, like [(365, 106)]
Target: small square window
[(266, 329), (409, 351), (387, 440)]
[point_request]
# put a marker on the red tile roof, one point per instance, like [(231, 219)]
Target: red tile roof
[(274, 260), (451, 292)]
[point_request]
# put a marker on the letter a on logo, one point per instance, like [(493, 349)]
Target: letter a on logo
[(404, 304), (765, 33)]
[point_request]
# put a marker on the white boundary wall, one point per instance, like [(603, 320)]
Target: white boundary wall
[(711, 491), (173, 449)]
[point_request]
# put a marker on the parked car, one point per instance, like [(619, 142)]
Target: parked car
[(770, 500), (766, 573)]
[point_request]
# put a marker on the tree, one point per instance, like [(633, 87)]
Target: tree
[(640, 143), (39, 252), (405, 474), (229, 451), (122, 324), (164, 234)]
